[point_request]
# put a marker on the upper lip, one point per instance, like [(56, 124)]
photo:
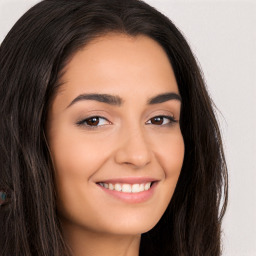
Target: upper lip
[(130, 180)]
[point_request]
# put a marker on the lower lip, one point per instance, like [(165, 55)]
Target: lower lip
[(132, 197)]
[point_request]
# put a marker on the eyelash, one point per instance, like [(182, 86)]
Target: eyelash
[(83, 122)]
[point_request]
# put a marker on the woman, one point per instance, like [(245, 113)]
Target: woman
[(109, 142)]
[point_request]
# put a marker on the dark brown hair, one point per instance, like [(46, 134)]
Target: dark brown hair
[(32, 58)]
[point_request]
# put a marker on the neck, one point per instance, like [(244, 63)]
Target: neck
[(84, 242)]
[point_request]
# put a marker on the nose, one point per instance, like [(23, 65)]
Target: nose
[(134, 150)]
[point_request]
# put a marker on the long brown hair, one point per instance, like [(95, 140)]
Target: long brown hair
[(32, 59)]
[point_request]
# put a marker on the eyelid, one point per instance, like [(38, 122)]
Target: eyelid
[(82, 122), (169, 117)]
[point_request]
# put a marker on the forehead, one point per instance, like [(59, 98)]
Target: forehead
[(118, 63)]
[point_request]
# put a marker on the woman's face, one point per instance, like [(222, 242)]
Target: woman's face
[(116, 120)]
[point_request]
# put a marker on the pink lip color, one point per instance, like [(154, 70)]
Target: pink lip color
[(129, 180), (132, 197)]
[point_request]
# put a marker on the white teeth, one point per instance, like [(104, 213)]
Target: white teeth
[(118, 187), (136, 188), (147, 186), (127, 188)]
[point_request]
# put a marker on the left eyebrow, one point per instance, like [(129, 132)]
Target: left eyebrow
[(163, 98), (117, 101)]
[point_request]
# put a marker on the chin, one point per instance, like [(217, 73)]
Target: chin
[(131, 227)]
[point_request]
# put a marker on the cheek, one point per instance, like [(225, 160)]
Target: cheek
[(75, 158), (169, 152), (72, 155), (75, 154), (174, 155)]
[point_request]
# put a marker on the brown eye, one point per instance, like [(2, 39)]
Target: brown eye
[(93, 121), (161, 120), (157, 120)]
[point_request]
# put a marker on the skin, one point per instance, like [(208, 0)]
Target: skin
[(127, 143)]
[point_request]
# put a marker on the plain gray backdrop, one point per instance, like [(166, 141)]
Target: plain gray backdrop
[(222, 35)]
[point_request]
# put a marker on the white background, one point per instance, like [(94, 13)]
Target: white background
[(222, 35)]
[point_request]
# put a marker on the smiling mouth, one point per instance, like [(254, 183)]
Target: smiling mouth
[(129, 193), (126, 187)]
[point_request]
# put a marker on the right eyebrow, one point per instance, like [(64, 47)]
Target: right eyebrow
[(105, 98)]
